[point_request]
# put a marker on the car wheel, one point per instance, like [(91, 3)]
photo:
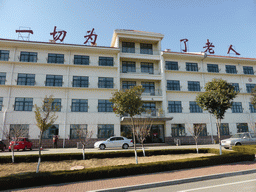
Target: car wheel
[(25, 148), (10, 150), (238, 144), (125, 146), (17, 149), (102, 147), (3, 149), (30, 149)]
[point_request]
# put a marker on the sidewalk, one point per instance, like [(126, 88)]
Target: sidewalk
[(152, 180)]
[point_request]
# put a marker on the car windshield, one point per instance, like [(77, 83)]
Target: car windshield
[(19, 139), (237, 136)]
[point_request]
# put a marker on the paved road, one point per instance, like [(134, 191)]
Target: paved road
[(244, 183), (75, 150)]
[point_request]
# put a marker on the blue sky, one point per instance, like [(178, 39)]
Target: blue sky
[(223, 22)]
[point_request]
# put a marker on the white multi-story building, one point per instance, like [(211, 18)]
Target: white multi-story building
[(82, 79)]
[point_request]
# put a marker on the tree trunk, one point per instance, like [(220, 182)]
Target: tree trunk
[(83, 153), (197, 147), (218, 121), (39, 159), (143, 149), (134, 141), (12, 148)]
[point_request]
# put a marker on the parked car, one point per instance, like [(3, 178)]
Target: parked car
[(245, 138), (2, 146), (114, 142), (21, 143)]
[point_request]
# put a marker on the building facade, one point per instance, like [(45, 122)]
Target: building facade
[(82, 79)]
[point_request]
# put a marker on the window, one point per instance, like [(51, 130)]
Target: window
[(200, 127), (79, 105), (54, 80), (171, 65), (105, 130), (28, 56), (173, 85), (26, 79), (178, 130), (194, 108), (194, 86), (224, 129), (236, 85), (4, 55), (106, 61), (231, 69), (250, 87), (52, 131), (146, 49), (213, 68), (23, 104), (128, 47), (128, 66), (19, 130), (147, 68), (248, 70), (78, 131), (252, 109), (105, 106), (55, 58), (56, 105), (237, 107), (106, 82), (1, 103), (128, 84), (81, 60), (174, 107), (149, 87), (191, 67), (2, 78), (150, 107), (80, 81), (242, 127)]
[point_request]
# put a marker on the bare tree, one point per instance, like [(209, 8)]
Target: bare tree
[(142, 130), (195, 131), (45, 117), (84, 136), (13, 134)]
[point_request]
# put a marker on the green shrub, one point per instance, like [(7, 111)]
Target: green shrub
[(98, 155), (245, 149), (46, 178)]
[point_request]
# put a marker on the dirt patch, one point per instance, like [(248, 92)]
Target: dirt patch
[(8, 169)]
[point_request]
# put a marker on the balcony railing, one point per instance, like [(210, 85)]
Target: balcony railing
[(156, 92), (138, 71), (140, 51), (155, 113)]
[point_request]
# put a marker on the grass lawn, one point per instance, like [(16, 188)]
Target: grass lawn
[(19, 168)]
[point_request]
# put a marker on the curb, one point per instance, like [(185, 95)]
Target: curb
[(176, 182)]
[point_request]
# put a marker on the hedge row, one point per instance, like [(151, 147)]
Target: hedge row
[(245, 149), (98, 155), (46, 178)]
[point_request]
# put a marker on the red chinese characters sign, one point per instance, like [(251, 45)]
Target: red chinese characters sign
[(185, 44), (58, 35), (91, 38), (209, 47)]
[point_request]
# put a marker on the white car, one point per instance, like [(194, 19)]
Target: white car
[(114, 142)]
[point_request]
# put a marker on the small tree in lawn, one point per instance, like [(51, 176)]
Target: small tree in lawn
[(84, 136), (142, 130), (16, 131), (195, 131), (217, 99), (129, 102), (45, 117), (253, 102)]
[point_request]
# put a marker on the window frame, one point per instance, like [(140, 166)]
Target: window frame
[(74, 127), (55, 58), (2, 78), (237, 107), (26, 79), (79, 105), (231, 69), (191, 66), (105, 106), (107, 129), (194, 108), (248, 70), (194, 86), (54, 80), (106, 61), (174, 107), (80, 81), (250, 87), (128, 84), (213, 68), (128, 67), (173, 85), (146, 48), (128, 49), (23, 104), (28, 56), (172, 65), (4, 55), (106, 82), (178, 130), (147, 67), (81, 60)]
